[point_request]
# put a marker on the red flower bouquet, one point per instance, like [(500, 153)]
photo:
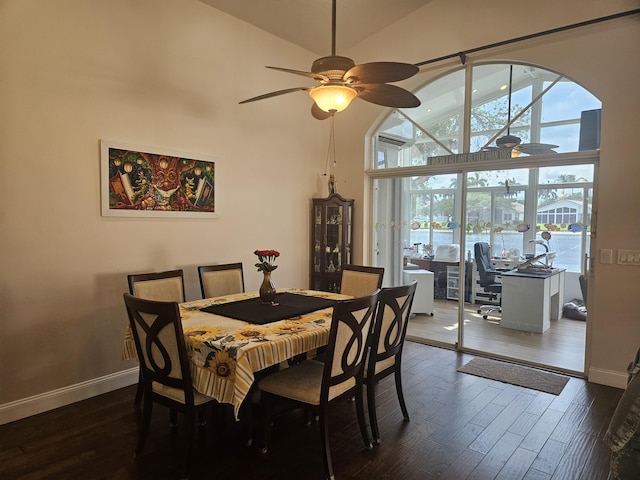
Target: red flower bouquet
[(266, 257)]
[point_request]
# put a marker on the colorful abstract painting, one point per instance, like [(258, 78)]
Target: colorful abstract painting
[(140, 181)]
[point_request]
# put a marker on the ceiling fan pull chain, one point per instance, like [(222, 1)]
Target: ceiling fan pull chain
[(333, 140), (331, 149)]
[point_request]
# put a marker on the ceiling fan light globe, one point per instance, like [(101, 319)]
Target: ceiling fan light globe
[(333, 97)]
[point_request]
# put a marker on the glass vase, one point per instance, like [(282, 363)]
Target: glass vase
[(267, 290)]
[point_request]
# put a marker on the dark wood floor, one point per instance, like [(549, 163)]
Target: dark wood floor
[(462, 427)]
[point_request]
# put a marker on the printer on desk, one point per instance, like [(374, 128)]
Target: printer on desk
[(448, 252)]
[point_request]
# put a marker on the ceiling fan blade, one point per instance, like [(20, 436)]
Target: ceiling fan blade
[(318, 113), (536, 148), (380, 72), (388, 96), (275, 94), (315, 76)]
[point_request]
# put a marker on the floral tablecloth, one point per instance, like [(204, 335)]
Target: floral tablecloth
[(225, 353)]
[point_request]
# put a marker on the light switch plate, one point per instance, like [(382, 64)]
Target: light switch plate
[(606, 255), (629, 257)]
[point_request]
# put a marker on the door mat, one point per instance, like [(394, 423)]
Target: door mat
[(516, 375)]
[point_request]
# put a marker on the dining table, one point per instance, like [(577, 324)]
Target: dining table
[(226, 352)]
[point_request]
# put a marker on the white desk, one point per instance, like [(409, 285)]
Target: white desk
[(530, 302), (423, 298)]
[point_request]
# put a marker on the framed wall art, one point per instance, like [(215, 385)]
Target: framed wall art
[(151, 182)]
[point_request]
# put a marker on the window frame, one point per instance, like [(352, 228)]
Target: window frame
[(533, 162)]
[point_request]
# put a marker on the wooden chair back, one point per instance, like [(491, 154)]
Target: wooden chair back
[(159, 339), (351, 327), (385, 346), (390, 327)]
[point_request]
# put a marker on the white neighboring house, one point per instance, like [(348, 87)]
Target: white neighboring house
[(563, 211)]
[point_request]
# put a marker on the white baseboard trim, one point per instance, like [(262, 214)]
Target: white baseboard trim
[(43, 402), (610, 378), (26, 407)]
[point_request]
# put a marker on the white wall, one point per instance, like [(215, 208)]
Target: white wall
[(604, 59), (158, 73), (169, 74)]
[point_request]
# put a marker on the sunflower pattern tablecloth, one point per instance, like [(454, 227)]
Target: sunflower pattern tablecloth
[(225, 353)]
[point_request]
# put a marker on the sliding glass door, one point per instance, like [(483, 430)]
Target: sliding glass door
[(413, 218), (519, 213)]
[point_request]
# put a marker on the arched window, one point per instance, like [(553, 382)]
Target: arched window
[(546, 111), (478, 126)]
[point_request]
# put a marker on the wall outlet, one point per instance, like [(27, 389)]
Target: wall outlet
[(629, 257)]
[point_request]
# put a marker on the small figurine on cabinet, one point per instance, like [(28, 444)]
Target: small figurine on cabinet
[(332, 184)]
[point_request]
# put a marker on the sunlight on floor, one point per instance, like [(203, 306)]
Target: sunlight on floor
[(560, 347)]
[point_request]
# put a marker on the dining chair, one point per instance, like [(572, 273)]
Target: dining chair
[(219, 280), (161, 286), (360, 280), (166, 376), (316, 385), (385, 346), (357, 281)]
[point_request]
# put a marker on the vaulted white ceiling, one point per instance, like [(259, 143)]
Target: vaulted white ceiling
[(307, 23)]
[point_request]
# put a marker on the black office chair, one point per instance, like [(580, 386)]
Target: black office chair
[(487, 276)]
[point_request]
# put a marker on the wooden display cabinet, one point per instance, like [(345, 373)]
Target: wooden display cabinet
[(331, 241)]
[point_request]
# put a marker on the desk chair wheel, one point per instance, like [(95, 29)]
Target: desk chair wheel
[(486, 310)]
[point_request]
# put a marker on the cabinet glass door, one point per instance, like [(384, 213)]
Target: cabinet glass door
[(333, 238), (318, 264), (347, 240), (331, 243)]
